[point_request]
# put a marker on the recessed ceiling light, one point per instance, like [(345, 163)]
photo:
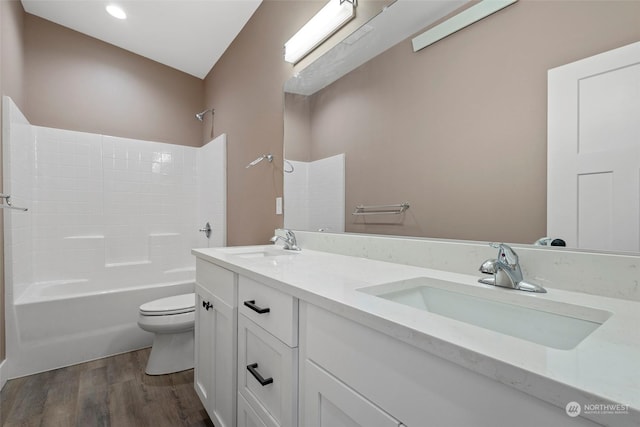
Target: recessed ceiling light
[(116, 11)]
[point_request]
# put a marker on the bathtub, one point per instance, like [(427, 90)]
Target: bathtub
[(62, 323)]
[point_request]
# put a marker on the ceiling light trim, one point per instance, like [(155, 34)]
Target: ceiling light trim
[(116, 11)]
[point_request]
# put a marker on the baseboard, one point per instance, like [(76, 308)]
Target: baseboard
[(4, 373)]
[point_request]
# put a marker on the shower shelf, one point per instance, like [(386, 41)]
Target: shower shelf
[(381, 209)]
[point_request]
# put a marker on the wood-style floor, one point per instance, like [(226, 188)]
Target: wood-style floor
[(108, 392)]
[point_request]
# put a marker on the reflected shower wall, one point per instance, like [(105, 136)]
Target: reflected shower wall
[(314, 195)]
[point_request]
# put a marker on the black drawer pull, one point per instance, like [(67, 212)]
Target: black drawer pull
[(207, 305), (252, 305), (253, 368)]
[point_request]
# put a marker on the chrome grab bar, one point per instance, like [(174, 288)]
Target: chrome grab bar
[(381, 209)]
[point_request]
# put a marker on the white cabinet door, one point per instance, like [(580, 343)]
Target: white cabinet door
[(215, 352), (329, 402), (593, 174)]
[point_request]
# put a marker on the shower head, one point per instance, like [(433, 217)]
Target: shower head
[(268, 157), (200, 116)]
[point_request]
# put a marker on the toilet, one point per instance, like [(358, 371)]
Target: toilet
[(172, 321)]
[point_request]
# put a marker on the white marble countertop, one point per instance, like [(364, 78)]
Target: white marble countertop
[(602, 369)]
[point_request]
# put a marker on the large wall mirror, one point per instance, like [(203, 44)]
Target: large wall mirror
[(457, 130)]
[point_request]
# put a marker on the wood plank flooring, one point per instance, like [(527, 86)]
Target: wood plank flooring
[(108, 392)]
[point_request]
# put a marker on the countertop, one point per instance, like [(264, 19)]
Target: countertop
[(602, 369)]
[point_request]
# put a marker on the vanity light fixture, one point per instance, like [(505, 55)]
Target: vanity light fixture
[(463, 19), (333, 16), (116, 11)]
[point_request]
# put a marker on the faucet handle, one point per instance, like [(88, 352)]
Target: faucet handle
[(505, 253)]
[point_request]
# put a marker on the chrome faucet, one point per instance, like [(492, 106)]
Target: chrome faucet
[(290, 242), (506, 271)]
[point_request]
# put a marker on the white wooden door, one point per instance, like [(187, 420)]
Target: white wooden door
[(593, 175)]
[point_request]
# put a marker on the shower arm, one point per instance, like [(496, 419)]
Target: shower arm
[(200, 116)]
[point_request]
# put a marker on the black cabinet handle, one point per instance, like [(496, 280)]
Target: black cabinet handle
[(252, 305), (253, 368), (207, 305)]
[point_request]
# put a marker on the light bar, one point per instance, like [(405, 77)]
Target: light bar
[(333, 16)]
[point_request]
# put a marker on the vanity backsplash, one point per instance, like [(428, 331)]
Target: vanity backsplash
[(606, 274)]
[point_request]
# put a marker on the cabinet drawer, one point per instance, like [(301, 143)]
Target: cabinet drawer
[(217, 280), (331, 403), (273, 363), (247, 417), (273, 310)]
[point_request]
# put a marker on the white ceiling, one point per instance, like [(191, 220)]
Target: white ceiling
[(189, 35)]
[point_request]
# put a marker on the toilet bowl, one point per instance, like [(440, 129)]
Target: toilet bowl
[(172, 321)]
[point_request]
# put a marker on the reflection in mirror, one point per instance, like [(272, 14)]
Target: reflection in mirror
[(458, 130)]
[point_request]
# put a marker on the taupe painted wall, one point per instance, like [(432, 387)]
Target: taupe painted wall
[(245, 88), (11, 84), (459, 128), (80, 83)]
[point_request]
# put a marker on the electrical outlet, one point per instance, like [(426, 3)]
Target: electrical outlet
[(278, 205)]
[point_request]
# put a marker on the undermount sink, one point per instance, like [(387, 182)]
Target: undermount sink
[(259, 252), (550, 323)]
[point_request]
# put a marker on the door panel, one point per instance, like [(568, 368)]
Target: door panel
[(593, 175)]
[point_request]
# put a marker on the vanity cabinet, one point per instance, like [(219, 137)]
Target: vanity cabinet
[(266, 359), (267, 356), (350, 370), (216, 342)]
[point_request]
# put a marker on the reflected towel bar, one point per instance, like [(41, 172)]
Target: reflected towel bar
[(7, 198), (381, 209)]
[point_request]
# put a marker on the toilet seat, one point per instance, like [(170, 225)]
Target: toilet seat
[(177, 304)]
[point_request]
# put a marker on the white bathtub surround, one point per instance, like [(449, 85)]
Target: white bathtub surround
[(77, 327), (314, 194), (602, 369), (212, 191), (106, 215), (607, 274)]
